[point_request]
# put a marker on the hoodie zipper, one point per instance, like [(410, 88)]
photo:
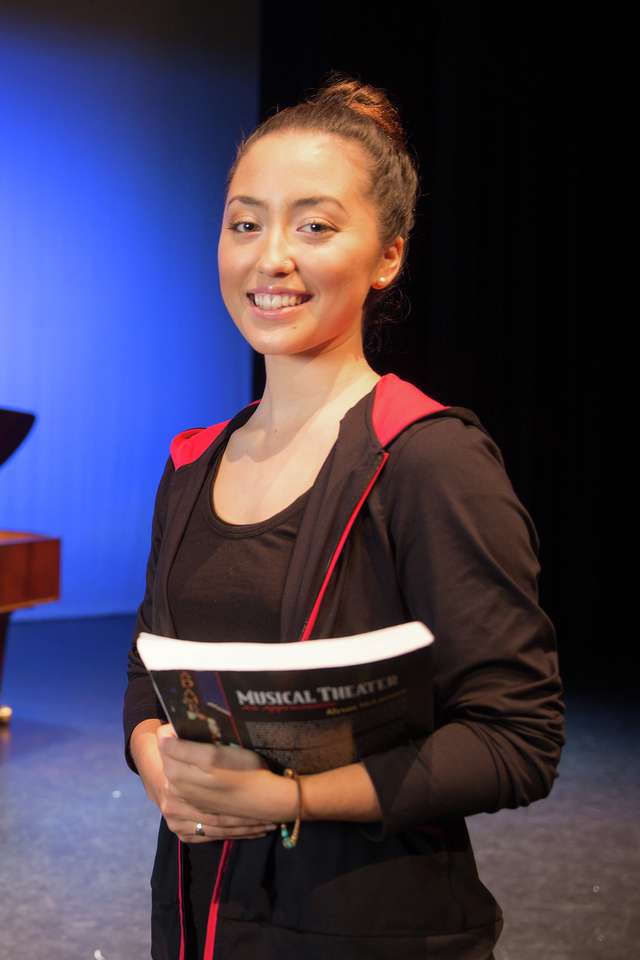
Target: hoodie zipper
[(311, 619), (306, 632)]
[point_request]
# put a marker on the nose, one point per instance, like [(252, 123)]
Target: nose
[(275, 256)]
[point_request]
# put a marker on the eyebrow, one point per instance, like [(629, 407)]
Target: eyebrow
[(302, 202)]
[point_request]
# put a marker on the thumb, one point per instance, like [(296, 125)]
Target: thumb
[(166, 731)]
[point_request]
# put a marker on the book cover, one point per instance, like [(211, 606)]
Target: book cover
[(312, 706)]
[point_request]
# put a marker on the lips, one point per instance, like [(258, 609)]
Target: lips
[(278, 305), (303, 296), (273, 310)]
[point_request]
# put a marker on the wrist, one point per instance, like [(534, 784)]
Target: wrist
[(146, 756), (285, 799), (343, 793)]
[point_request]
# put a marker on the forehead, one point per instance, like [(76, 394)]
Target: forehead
[(287, 163)]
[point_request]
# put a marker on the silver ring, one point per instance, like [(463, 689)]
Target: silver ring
[(199, 831)]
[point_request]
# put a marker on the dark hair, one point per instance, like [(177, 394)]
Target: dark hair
[(358, 111)]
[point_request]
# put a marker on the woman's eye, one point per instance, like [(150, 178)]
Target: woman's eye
[(241, 223), (317, 223)]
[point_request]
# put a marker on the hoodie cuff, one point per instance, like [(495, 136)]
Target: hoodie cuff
[(397, 775)]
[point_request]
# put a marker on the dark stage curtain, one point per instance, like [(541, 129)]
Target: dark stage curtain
[(491, 99)]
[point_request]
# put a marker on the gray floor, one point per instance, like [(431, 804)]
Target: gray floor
[(77, 833), (566, 870)]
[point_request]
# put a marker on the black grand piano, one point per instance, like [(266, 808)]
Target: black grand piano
[(29, 562)]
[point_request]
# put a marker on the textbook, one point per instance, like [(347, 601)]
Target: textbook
[(313, 706)]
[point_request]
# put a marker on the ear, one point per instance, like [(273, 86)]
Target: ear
[(389, 264)]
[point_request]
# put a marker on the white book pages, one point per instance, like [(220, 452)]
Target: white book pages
[(166, 653)]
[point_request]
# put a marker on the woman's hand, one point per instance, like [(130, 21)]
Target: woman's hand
[(229, 787), (221, 755), (181, 818), (182, 810)]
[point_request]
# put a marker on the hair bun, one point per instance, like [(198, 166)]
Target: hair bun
[(365, 99)]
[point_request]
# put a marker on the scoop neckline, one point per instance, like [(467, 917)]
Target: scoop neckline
[(245, 529)]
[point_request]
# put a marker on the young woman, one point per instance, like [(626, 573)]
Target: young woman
[(341, 502)]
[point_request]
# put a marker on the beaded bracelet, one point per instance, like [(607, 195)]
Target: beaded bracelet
[(290, 840)]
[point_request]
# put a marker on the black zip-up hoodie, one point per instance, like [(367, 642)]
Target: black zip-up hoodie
[(412, 517)]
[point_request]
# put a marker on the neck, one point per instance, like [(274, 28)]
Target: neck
[(300, 389)]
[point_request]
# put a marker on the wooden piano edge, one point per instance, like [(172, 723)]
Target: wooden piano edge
[(25, 604), (11, 540)]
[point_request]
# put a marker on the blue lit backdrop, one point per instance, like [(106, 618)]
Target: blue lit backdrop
[(112, 329)]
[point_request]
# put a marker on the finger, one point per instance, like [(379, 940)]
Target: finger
[(188, 751), (180, 771), (233, 757), (197, 787), (186, 779), (207, 755), (213, 821), (186, 831), (242, 823), (223, 835), (214, 833), (179, 810)]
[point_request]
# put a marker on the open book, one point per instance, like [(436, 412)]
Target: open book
[(312, 706)]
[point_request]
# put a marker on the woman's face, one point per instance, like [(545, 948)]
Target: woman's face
[(296, 219)]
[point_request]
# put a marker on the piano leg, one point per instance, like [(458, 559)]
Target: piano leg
[(5, 712)]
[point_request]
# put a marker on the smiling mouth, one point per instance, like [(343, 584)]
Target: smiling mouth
[(269, 303)]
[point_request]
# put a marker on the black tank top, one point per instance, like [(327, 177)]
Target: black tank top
[(227, 579), (225, 584)]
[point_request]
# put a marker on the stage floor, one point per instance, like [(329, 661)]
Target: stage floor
[(77, 832)]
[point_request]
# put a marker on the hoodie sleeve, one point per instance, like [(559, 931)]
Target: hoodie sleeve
[(140, 701), (466, 556)]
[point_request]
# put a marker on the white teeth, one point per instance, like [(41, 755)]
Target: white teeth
[(273, 302)]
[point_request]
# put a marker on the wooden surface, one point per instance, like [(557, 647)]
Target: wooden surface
[(29, 575), (29, 569)]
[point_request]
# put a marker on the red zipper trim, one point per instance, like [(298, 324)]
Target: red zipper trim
[(215, 902), (215, 899), (336, 554), (180, 904)]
